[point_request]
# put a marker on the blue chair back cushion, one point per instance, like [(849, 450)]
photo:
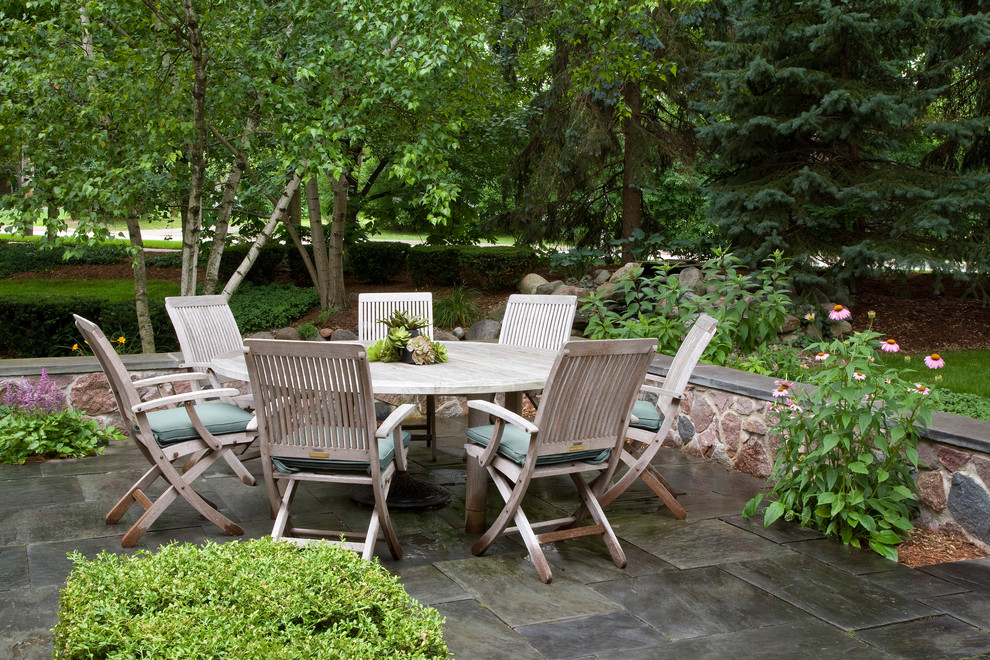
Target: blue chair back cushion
[(386, 453), (649, 418), (515, 445), (173, 425)]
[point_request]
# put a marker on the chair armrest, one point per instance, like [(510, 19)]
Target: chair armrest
[(195, 365), (390, 423), (659, 391), (198, 395), (504, 414), (171, 378)]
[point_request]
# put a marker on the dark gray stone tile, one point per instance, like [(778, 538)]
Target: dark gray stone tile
[(701, 506), (808, 639), (14, 568), (109, 461), (472, 631), (426, 584), (852, 560), (973, 574), (936, 637), (28, 612), (828, 592), (912, 583), (587, 560), (970, 607), (70, 520), (697, 602), (42, 492), (585, 636), (702, 543), (8, 472), (50, 564), (780, 531), (33, 646), (511, 589), (109, 487)]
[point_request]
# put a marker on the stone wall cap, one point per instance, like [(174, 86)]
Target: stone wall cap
[(86, 364)]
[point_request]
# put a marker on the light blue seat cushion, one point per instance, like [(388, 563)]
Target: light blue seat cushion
[(386, 452), (515, 444), (173, 425), (649, 418)]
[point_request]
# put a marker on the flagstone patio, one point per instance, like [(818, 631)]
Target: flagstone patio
[(713, 585)]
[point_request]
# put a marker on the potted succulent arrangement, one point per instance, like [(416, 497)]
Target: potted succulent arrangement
[(404, 342)]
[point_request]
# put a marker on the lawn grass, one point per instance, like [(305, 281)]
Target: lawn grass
[(114, 290), (964, 372)]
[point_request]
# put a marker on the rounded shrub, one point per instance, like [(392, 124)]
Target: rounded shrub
[(253, 599)]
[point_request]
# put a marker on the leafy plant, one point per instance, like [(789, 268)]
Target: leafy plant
[(324, 316), (253, 599), (963, 403), (575, 262), (37, 423), (457, 308), (847, 447), (403, 334), (307, 331), (257, 307)]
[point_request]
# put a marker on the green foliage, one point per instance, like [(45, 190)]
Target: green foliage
[(253, 599), (496, 268), (264, 268), (110, 290), (962, 403), (62, 434), (435, 265), (847, 447), (457, 308), (18, 257), (307, 331), (750, 307), (325, 314), (269, 306), (377, 262), (576, 262), (42, 325)]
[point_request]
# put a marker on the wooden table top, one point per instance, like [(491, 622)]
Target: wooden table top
[(471, 368)]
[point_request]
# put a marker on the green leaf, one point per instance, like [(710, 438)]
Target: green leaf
[(773, 512)]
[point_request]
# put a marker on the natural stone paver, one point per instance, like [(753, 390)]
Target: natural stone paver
[(972, 574), (426, 584), (937, 637), (14, 568), (846, 557), (573, 638), (780, 531), (828, 593), (807, 639), (680, 544), (697, 602), (912, 583), (966, 606), (473, 631)]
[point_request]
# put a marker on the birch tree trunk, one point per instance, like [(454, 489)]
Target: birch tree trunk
[(321, 262), (277, 214), (145, 329), (193, 224), (335, 287)]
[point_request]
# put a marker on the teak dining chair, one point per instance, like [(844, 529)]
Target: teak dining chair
[(579, 428), (537, 322), (654, 420), (376, 307), (316, 420), (167, 428)]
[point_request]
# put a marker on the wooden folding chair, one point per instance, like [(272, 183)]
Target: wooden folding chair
[(168, 428), (654, 420), (579, 428), (374, 308), (316, 420), (537, 322)]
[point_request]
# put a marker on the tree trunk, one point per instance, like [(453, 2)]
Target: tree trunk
[(142, 308), (321, 263), (277, 214), (632, 194), (337, 296), (194, 220)]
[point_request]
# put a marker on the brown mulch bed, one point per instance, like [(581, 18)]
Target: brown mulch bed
[(908, 311)]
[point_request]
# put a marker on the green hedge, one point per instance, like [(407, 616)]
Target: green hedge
[(43, 326), (19, 257), (496, 268), (435, 265), (252, 599), (377, 262), (270, 306), (264, 268)]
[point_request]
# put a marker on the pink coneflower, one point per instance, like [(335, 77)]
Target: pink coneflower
[(839, 313), (783, 389), (859, 375), (890, 346), (921, 389), (795, 407), (821, 356), (933, 361), (809, 317)]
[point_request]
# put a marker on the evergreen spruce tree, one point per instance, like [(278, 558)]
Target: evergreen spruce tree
[(818, 131)]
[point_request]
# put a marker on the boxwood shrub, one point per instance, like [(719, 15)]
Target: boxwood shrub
[(251, 599), (496, 268), (377, 262), (262, 271)]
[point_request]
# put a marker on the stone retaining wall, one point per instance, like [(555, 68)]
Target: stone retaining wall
[(723, 419)]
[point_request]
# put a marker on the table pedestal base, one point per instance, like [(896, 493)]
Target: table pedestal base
[(406, 493)]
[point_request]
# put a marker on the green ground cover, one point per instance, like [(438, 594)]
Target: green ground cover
[(114, 290)]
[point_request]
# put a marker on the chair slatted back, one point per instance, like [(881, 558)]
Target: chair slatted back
[(375, 307), (590, 392), (687, 357), (204, 325), (124, 392), (313, 399), (538, 321)]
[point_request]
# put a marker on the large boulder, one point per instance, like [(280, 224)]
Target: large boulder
[(548, 288), (483, 330), (528, 283)]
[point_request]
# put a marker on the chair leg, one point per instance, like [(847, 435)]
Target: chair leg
[(123, 504), (382, 518), (431, 424), (238, 468), (512, 498), (594, 508), (282, 517)]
